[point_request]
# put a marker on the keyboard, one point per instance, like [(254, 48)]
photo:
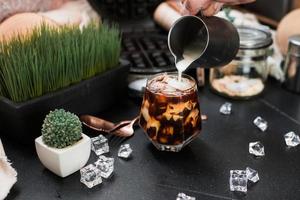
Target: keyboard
[(148, 52)]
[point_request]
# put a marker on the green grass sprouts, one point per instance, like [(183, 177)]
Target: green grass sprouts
[(53, 58)]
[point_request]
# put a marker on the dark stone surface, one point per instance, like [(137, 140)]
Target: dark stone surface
[(200, 170)]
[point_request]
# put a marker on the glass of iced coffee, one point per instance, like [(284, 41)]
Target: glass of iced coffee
[(170, 112)]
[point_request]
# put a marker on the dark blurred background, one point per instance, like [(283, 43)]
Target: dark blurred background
[(137, 9), (273, 9)]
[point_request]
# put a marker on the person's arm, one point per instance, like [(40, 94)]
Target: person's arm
[(210, 7), (11, 7), (235, 2)]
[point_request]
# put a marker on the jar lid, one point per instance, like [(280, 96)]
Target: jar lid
[(252, 38), (294, 45)]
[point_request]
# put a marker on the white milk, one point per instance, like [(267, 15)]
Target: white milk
[(190, 54), (183, 64)]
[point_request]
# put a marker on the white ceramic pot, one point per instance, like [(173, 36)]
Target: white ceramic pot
[(66, 161)]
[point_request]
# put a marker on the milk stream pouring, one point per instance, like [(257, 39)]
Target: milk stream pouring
[(190, 53)]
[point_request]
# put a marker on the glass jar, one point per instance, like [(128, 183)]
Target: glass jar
[(244, 77), (170, 112)]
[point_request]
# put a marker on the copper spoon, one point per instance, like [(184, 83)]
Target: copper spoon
[(122, 129)]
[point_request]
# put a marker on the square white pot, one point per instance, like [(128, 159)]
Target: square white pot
[(66, 161)]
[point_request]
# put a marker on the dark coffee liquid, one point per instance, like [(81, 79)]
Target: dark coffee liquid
[(170, 117)]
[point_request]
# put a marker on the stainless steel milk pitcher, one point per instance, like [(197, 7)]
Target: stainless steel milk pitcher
[(215, 40)]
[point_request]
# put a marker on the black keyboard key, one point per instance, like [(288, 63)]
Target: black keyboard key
[(136, 56), (131, 48), (124, 57), (123, 12), (168, 53), (141, 11), (128, 43), (159, 59), (139, 61), (162, 64), (156, 54), (164, 47), (151, 47), (162, 44), (141, 65)]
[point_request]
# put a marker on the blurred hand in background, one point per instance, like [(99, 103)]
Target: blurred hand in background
[(209, 7), (11, 7)]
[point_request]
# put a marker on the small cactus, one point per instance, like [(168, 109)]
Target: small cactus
[(61, 129)]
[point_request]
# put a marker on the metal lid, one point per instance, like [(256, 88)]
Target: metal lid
[(294, 45), (252, 38), (295, 39)]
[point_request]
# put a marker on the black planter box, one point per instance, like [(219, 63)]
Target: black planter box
[(22, 122)]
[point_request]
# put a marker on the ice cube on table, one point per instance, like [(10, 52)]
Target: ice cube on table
[(256, 148), (261, 123), (124, 151), (100, 145), (90, 176), (291, 139), (252, 175), (225, 109), (238, 181), (182, 196), (105, 165)]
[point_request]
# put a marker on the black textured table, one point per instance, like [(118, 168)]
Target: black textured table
[(200, 170)]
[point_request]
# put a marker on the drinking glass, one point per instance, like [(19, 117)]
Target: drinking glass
[(170, 116)]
